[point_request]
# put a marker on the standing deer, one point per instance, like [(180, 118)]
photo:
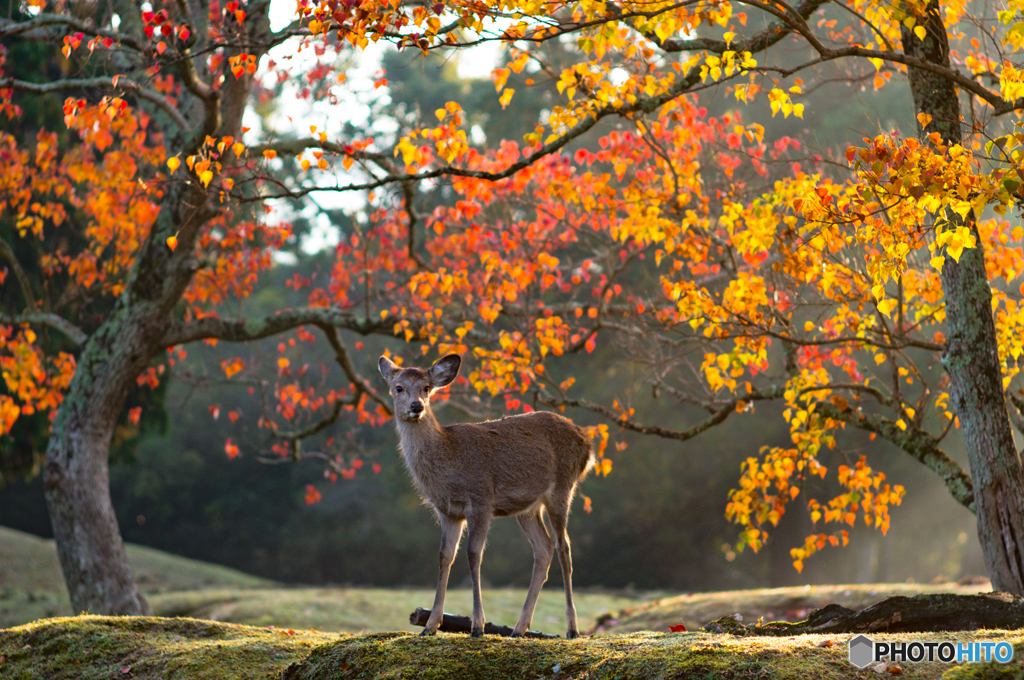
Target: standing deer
[(520, 465)]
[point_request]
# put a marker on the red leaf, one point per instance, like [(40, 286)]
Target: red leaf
[(678, 629)]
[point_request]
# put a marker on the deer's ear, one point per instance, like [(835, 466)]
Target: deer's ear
[(444, 371), (387, 368)]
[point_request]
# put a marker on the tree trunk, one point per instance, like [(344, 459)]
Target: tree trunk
[(971, 358), (76, 480)]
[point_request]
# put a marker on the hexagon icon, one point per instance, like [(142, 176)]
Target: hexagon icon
[(862, 651)]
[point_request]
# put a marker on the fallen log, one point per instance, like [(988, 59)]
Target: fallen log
[(899, 614), (451, 623)]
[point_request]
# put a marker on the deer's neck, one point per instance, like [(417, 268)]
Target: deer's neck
[(419, 440)]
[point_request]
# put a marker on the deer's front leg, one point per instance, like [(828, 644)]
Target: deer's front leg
[(451, 532), (479, 522)]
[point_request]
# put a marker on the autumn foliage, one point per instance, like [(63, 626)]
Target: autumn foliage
[(731, 269)]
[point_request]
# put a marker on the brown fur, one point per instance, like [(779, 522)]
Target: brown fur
[(520, 465)]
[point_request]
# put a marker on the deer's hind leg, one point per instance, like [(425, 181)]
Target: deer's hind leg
[(532, 524), (558, 510), (451, 533)]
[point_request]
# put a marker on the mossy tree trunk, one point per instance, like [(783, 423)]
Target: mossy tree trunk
[(76, 475), (971, 358)]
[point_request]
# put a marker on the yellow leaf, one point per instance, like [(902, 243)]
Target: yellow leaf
[(269, 154), (919, 32), (173, 163), (809, 326), (879, 358), (924, 119), (440, 113), (238, 148), (206, 177), (900, 424), (937, 262), (886, 306)]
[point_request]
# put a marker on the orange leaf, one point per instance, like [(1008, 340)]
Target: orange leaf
[(172, 242)]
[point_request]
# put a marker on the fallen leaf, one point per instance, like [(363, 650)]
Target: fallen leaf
[(895, 670), (678, 629), (125, 670), (824, 643)]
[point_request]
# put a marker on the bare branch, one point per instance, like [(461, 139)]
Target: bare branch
[(362, 385), (716, 418), (55, 321), (244, 330), (26, 288)]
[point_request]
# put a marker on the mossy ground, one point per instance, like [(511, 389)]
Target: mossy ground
[(93, 647)]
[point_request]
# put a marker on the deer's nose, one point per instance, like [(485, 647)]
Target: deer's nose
[(416, 407)]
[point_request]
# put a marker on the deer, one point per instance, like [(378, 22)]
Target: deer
[(523, 465)]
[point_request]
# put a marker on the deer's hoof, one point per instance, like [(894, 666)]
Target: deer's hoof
[(426, 632), (572, 634), (516, 635), (477, 632)]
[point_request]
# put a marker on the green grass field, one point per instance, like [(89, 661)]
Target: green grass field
[(31, 588)]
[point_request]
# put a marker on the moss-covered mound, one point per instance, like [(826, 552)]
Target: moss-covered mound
[(108, 647), (90, 647)]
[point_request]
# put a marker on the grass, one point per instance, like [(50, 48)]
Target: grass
[(93, 647), (355, 610), (32, 587)]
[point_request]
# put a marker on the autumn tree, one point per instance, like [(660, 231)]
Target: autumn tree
[(522, 251)]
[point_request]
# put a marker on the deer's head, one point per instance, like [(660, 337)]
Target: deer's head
[(411, 387)]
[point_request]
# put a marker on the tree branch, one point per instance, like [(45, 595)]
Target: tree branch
[(362, 385), (55, 321), (921, 446), (19, 273), (244, 330), (11, 28), (717, 417), (100, 82)]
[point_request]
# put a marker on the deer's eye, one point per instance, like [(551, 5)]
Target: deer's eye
[(426, 389), (398, 388)]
